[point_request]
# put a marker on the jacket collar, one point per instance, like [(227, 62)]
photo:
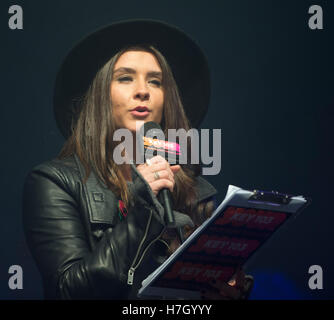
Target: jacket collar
[(205, 189)]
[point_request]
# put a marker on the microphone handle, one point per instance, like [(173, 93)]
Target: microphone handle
[(166, 200)]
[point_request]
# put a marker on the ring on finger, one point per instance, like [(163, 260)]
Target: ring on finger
[(156, 175)]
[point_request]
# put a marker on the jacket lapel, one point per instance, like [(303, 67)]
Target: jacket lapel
[(205, 190), (102, 202)]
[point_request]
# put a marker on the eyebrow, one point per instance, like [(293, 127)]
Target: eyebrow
[(132, 71)]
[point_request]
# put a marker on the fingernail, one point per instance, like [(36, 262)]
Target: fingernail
[(232, 283)]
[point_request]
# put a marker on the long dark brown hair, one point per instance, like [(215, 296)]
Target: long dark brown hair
[(93, 128)]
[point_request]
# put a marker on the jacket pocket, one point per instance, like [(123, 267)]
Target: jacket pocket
[(104, 208)]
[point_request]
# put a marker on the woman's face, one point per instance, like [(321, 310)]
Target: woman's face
[(136, 90)]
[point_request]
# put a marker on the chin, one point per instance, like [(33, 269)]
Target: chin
[(132, 126), (137, 124)]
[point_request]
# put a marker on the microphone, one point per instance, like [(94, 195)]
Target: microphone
[(152, 140)]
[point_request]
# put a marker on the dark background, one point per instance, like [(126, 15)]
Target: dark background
[(272, 80)]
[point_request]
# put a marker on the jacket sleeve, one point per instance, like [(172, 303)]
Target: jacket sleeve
[(58, 241)]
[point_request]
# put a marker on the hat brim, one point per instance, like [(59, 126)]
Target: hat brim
[(186, 59)]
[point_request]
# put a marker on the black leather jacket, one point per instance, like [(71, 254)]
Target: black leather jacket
[(81, 247)]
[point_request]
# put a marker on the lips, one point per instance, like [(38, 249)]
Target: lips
[(140, 109), (140, 112)]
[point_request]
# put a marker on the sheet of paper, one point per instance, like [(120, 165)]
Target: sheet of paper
[(238, 213)]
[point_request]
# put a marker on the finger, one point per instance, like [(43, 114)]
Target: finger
[(164, 174), (165, 184), (232, 282), (164, 162), (157, 185), (239, 279), (234, 295), (142, 169), (175, 168), (232, 292), (148, 171), (158, 167), (161, 167), (171, 174), (157, 159), (235, 279), (226, 289), (169, 171), (148, 162)]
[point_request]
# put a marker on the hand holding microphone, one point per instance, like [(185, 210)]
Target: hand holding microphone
[(158, 173)]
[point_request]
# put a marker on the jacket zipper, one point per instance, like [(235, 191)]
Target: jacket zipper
[(134, 266)]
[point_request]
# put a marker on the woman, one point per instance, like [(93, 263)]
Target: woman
[(95, 228)]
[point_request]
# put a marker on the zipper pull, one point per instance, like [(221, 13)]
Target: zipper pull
[(130, 276)]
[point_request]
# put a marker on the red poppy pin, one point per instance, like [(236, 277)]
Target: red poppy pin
[(122, 212)]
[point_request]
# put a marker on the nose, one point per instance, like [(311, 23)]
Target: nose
[(142, 91)]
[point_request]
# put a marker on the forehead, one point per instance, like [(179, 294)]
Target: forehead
[(138, 60)]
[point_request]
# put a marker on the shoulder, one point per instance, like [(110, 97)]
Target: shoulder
[(63, 172), (57, 165), (204, 189)]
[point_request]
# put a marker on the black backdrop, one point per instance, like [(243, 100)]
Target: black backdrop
[(272, 80)]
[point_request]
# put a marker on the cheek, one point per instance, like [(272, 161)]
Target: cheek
[(118, 99), (115, 96), (116, 105), (120, 94)]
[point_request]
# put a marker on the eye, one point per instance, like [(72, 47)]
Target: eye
[(124, 79), (156, 82)]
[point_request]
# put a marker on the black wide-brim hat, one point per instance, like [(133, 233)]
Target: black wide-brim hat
[(186, 59)]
